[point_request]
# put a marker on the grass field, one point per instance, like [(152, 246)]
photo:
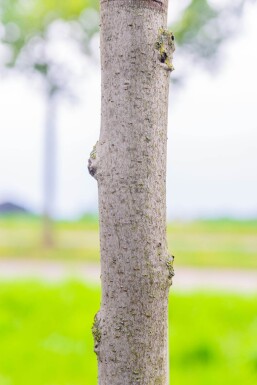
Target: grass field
[(45, 336), (221, 243)]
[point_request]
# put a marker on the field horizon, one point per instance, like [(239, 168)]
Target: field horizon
[(220, 243)]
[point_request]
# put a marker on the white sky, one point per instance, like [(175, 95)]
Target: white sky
[(212, 146)]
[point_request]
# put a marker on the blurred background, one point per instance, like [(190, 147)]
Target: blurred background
[(49, 243)]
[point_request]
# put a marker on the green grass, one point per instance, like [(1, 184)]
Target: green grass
[(221, 243), (45, 336)]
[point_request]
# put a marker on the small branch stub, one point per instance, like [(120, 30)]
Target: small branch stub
[(92, 162), (165, 47), (96, 331), (169, 265)]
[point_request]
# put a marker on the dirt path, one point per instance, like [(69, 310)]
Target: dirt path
[(186, 278)]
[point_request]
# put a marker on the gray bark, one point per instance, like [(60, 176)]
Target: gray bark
[(129, 163)]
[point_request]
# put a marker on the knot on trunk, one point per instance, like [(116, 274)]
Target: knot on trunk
[(169, 264), (165, 47), (92, 162), (96, 331)]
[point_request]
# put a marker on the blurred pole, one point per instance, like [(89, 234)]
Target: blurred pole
[(49, 173)]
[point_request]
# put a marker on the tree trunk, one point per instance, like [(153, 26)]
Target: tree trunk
[(49, 171), (129, 163)]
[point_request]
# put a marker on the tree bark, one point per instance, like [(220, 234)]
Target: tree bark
[(129, 163)]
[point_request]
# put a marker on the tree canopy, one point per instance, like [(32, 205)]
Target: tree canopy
[(25, 34), (200, 29), (205, 24)]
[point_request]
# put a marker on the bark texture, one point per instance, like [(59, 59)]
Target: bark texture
[(129, 163)]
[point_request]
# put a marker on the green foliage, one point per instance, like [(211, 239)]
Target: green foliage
[(45, 336), (199, 30), (220, 243), (189, 30), (26, 34), (202, 27), (32, 17)]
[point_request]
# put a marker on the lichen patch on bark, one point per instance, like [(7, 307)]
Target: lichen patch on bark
[(165, 47), (169, 264), (96, 331)]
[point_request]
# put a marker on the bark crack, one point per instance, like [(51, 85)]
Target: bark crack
[(158, 1)]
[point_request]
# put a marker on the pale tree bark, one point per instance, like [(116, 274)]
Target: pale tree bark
[(129, 163)]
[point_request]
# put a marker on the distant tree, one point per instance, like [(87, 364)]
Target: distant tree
[(28, 29)]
